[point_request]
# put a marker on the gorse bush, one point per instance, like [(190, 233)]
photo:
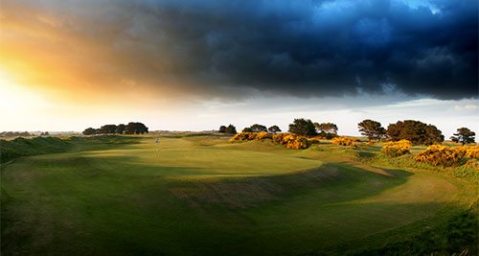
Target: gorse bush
[(438, 155), (343, 141), (263, 136), (278, 138), (243, 136), (470, 151), (291, 141), (397, 148), (295, 142)]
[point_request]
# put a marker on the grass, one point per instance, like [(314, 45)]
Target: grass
[(200, 195)]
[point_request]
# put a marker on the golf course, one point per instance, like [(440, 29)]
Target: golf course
[(203, 195)]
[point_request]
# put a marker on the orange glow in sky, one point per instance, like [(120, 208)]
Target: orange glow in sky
[(69, 65)]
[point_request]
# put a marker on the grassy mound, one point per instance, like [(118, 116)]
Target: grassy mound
[(202, 195), (11, 149)]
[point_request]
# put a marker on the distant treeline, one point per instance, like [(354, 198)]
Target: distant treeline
[(130, 128), (14, 134), (415, 131)]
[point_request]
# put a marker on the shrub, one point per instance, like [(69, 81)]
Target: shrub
[(295, 142), (343, 141), (442, 155), (472, 163), (278, 138), (291, 141), (397, 148), (243, 136), (263, 136), (470, 151), (298, 143), (247, 136)]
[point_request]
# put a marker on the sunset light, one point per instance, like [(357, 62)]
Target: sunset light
[(236, 127), (18, 99)]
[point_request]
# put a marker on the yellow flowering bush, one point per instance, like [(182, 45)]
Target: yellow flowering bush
[(441, 155), (470, 151), (397, 148), (472, 163), (263, 136), (243, 136), (343, 141), (291, 141), (278, 138)]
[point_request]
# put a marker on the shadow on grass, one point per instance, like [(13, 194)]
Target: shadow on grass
[(454, 233), (331, 183), (335, 182), (199, 187)]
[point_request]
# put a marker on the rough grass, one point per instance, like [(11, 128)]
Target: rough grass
[(200, 195)]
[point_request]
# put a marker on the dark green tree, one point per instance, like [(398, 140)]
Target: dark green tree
[(324, 128), (89, 131), (247, 129), (222, 129), (120, 129), (136, 128), (258, 128), (303, 127), (464, 136), (108, 129), (433, 135), (230, 129), (372, 129), (415, 131), (274, 129)]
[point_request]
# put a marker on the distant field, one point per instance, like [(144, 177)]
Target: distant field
[(200, 195)]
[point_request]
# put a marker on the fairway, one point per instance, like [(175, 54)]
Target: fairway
[(202, 195)]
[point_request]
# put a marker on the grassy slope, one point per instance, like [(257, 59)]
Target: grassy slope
[(201, 195)]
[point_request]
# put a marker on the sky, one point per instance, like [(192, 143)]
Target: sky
[(196, 65)]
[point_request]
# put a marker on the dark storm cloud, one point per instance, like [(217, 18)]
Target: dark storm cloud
[(321, 48)]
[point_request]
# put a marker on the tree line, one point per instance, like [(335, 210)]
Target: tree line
[(130, 128), (415, 131)]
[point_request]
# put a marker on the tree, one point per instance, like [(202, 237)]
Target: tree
[(371, 129), (222, 129), (108, 129), (274, 129), (433, 135), (258, 128), (120, 129), (415, 131), (89, 131), (302, 127), (247, 129), (230, 129), (464, 136), (326, 128), (135, 128)]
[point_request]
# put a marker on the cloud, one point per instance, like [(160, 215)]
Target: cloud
[(300, 48)]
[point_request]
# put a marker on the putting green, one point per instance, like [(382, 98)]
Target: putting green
[(205, 196)]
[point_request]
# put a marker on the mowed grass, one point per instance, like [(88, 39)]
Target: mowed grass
[(204, 196)]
